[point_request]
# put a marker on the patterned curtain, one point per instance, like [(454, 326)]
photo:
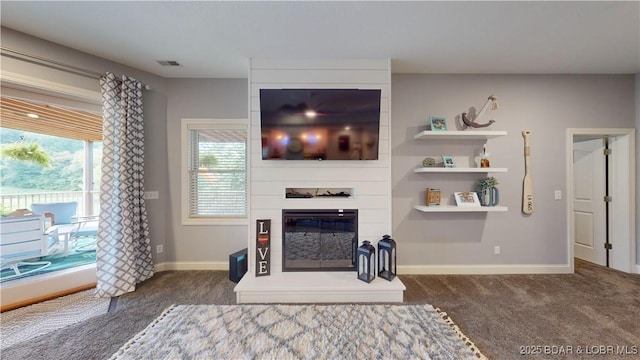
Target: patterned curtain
[(123, 256)]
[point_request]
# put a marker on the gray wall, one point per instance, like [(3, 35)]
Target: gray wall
[(154, 108), (199, 99), (545, 104)]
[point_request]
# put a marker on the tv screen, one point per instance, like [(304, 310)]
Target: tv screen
[(319, 124)]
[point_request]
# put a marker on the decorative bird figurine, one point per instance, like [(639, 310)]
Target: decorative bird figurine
[(471, 123)]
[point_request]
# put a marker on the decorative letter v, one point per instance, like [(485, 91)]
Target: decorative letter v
[(263, 255)]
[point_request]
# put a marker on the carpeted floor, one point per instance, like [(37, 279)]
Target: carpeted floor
[(504, 315), (43, 318)]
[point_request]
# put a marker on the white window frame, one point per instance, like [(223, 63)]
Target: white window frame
[(189, 124)]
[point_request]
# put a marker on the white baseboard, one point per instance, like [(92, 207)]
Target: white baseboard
[(637, 269), (482, 269), (192, 265), (402, 269)]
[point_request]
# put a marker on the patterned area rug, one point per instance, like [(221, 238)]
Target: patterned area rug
[(25, 323), (300, 332)]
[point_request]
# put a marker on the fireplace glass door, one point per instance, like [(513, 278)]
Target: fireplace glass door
[(319, 240)]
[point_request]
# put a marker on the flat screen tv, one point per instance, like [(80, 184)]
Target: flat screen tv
[(319, 124)]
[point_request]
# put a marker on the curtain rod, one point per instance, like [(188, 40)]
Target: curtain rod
[(54, 64)]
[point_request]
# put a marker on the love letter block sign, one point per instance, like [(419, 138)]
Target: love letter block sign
[(263, 244)]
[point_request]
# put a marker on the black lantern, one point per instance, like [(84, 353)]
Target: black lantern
[(366, 256), (387, 268)]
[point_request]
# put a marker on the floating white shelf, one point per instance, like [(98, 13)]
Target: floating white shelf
[(459, 135), (453, 208), (459, 170)]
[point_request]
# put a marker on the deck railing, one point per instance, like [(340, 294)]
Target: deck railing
[(24, 201)]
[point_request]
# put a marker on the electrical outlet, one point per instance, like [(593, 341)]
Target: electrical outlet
[(557, 194), (159, 249), (151, 195), (496, 250)]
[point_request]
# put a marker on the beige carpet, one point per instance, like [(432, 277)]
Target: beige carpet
[(300, 332), (26, 323)]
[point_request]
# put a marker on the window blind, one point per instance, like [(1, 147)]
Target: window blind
[(217, 165)]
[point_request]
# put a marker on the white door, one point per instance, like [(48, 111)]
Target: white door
[(589, 189)]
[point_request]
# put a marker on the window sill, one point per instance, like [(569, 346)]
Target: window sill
[(214, 221)]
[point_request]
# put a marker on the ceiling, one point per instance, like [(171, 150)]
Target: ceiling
[(216, 39), (51, 120)]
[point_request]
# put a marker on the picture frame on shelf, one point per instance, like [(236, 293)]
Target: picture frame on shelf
[(438, 123), (466, 199), (448, 161), (433, 197)]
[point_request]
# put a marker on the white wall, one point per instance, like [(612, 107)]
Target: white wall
[(370, 180), (545, 104)]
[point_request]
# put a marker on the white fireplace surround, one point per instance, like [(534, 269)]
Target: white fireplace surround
[(369, 182)]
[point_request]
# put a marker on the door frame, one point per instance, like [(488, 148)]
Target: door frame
[(29, 290), (622, 183)]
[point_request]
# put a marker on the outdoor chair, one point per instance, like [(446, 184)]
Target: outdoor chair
[(68, 224), (85, 227), (23, 238), (63, 212)]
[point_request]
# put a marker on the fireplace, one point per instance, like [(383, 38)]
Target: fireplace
[(319, 240)]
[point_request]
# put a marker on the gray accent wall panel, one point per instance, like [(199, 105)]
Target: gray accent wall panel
[(545, 104)]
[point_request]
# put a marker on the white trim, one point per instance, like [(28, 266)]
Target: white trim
[(185, 126), (214, 221), (459, 170), (622, 214), (459, 135), (483, 269), (459, 208), (38, 286), (403, 269), (389, 147), (624, 188), (637, 269), (45, 85), (191, 265), (569, 203), (87, 177)]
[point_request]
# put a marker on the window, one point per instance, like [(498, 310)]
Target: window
[(70, 132), (214, 175)]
